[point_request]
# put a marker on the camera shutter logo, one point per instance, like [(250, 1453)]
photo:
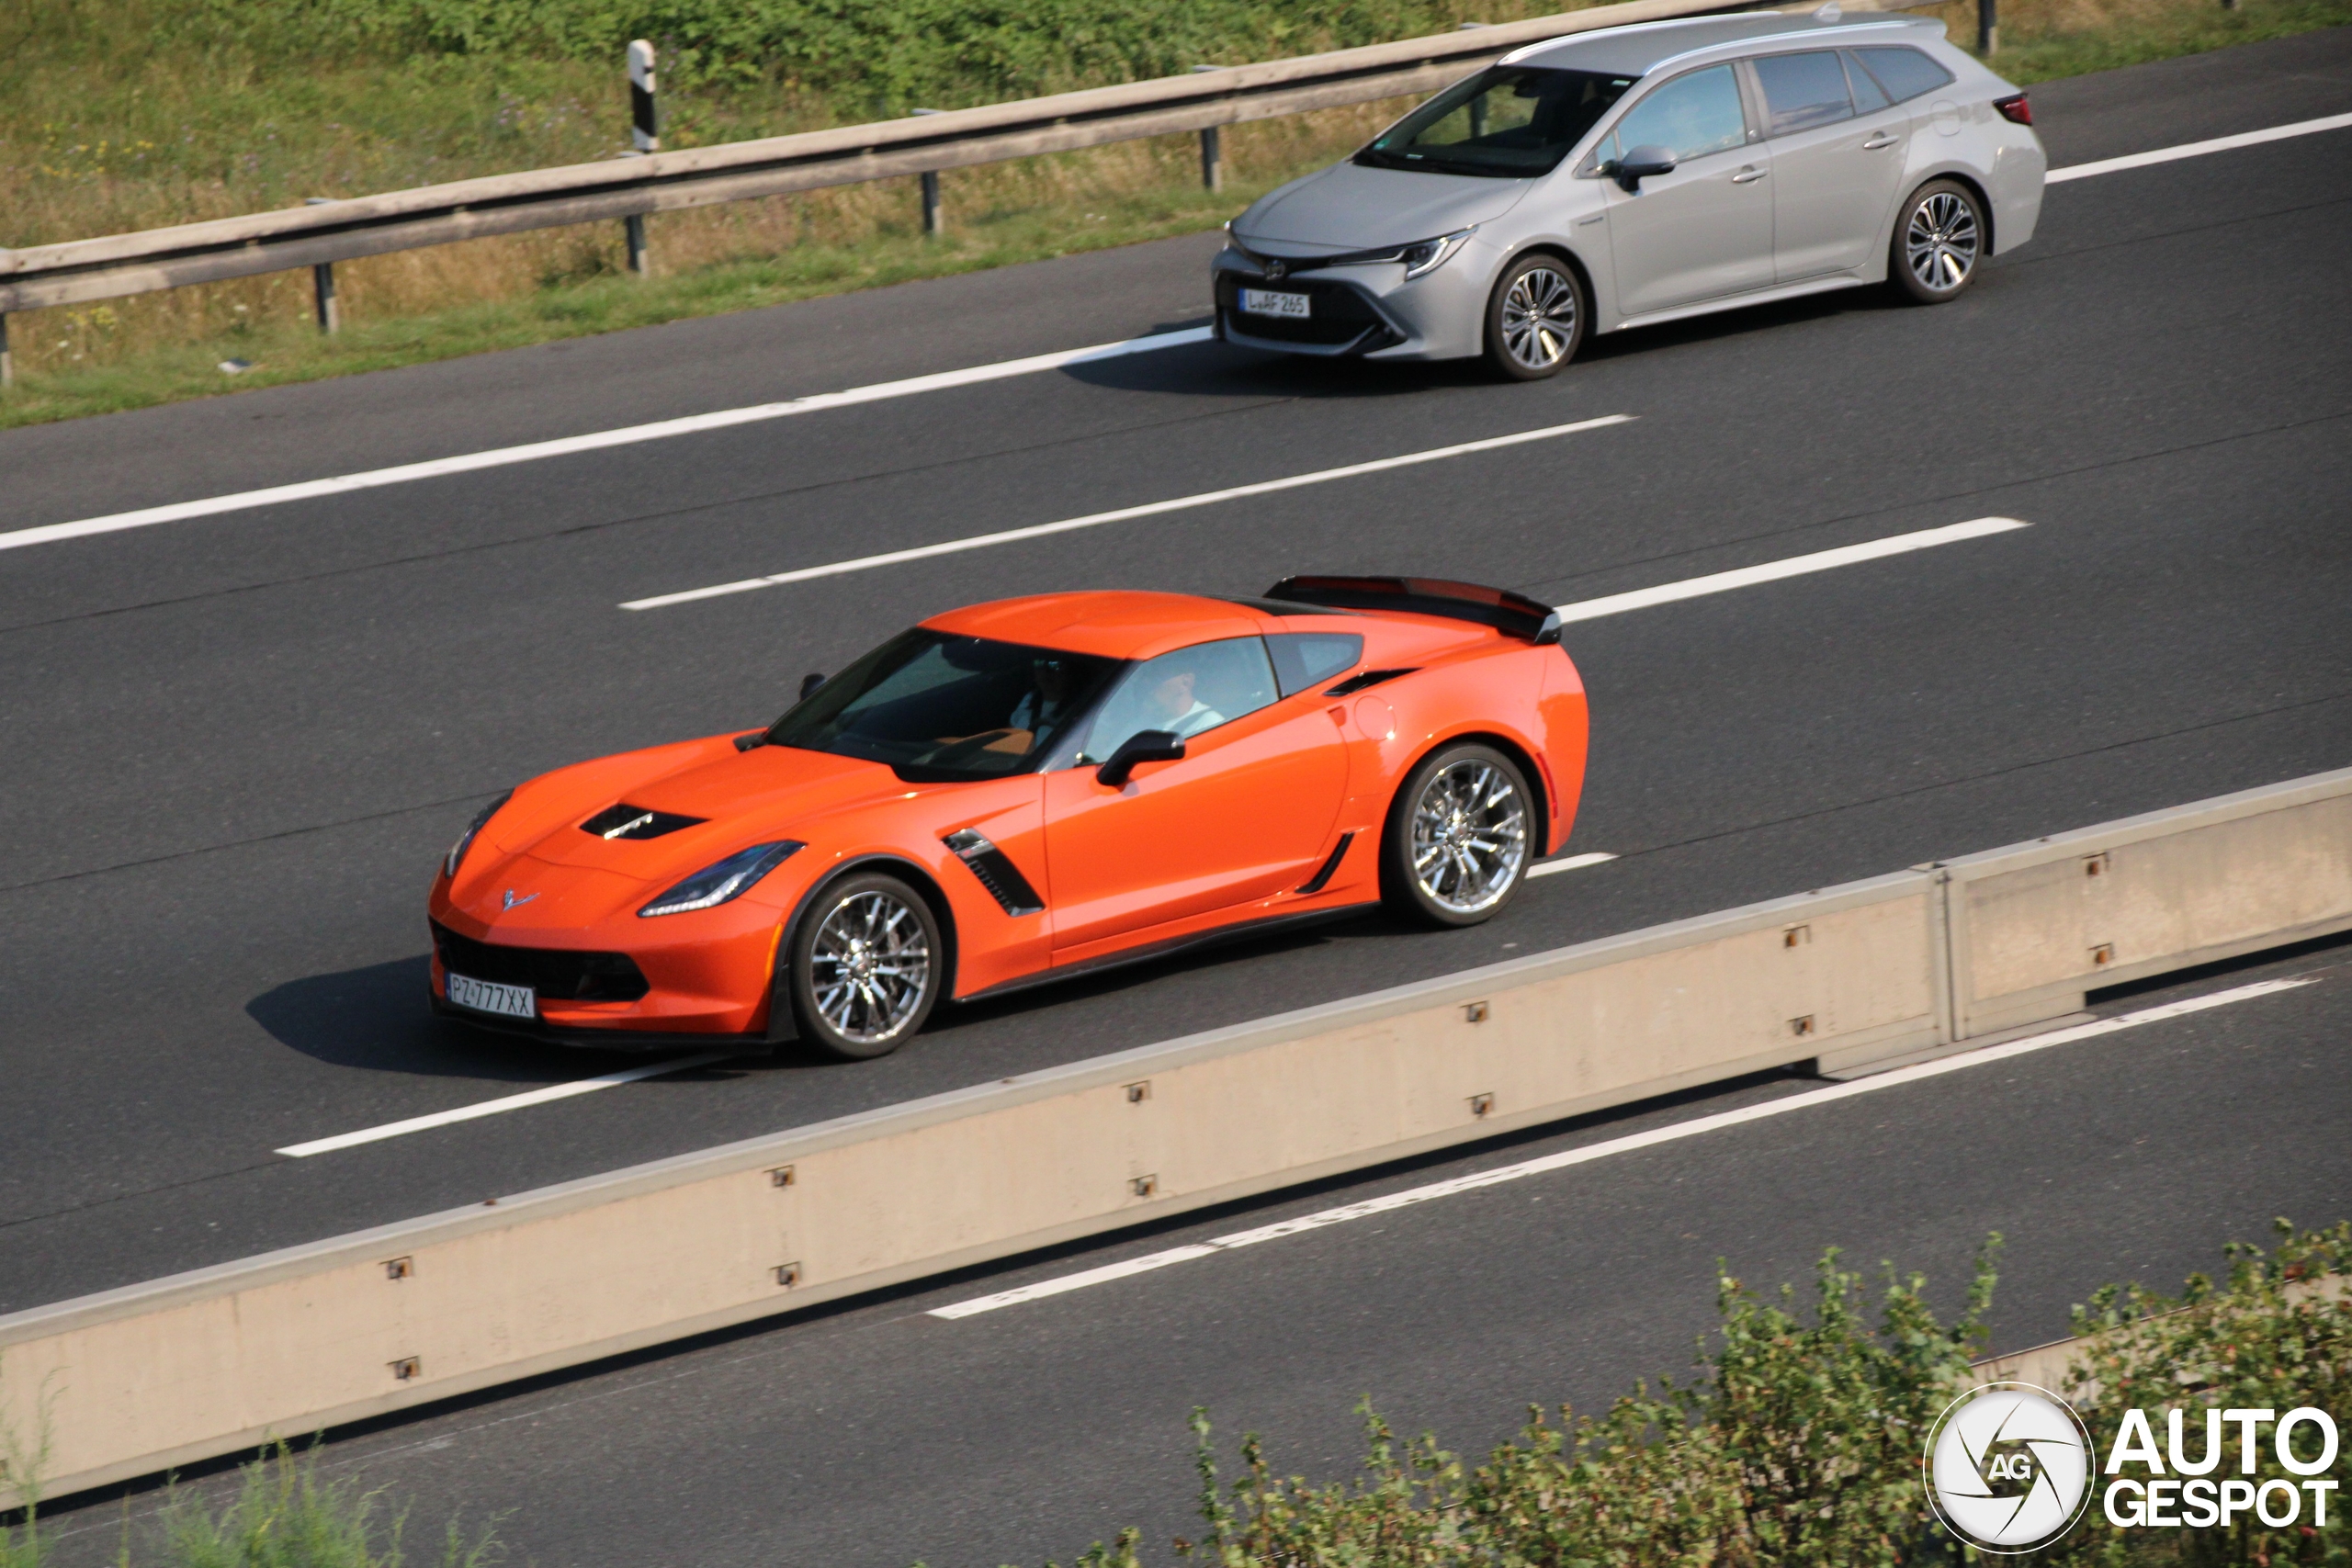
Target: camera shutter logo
[(2008, 1467)]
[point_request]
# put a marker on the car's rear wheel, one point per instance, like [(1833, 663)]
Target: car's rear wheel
[(867, 964), (1457, 842), (1938, 242), (1535, 317)]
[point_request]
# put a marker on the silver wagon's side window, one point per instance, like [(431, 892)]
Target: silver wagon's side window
[(1691, 117), (1802, 91), (1904, 72)]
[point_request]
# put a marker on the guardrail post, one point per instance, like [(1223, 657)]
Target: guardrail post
[(1212, 148), (645, 135), (1988, 27), (935, 220), (322, 280)]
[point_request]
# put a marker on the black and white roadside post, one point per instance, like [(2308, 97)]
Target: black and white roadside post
[(322, 280), (645, 135), (1212, 148), (1988, 28), (934, 221), (7, 365)]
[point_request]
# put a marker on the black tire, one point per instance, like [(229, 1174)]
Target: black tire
[(1422, 895), (877, 920), (1539, 307), (1939, 241)]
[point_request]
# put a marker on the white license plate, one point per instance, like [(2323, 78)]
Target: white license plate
[(485, 996), (1265, 302)]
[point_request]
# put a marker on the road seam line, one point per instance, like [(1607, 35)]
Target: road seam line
[(1591, 1152)]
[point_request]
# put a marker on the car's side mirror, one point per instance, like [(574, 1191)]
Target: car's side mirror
[(808, 683), (1143, 746), (1641, 162)]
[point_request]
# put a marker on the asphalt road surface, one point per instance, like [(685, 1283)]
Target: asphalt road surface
[(237, 743)]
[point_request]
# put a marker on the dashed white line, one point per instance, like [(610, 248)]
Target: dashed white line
[(1794, 565), (437, 468), (2196, 148), (1123, 513), (499, 1106), (1696, 1127), (1569, 862)]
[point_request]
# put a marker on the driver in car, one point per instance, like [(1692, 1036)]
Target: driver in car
[(1170, 705)]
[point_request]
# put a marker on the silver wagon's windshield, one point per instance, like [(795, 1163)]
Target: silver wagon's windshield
[(1511, 122), (939, 707)]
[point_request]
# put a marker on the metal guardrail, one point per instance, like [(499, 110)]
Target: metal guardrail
[(36, 276)]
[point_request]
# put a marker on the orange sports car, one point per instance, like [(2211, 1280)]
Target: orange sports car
[(1019, 791)]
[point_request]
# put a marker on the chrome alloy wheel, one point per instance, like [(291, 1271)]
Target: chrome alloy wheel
[(1469, 836), (1539, 318), (869, 967), (1941, 242)]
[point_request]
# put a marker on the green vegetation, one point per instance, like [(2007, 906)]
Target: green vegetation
[(1798, 1445), (119, 114), (283, 1515)]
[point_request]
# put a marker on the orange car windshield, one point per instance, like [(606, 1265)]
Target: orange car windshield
[(938, 707)]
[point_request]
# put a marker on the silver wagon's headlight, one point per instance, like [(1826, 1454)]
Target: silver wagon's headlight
[(1420, 256), (465, 839), (729, 878)]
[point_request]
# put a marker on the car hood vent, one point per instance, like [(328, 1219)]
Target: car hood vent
[(637, 822)]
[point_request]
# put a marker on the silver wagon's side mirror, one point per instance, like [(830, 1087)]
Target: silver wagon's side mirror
[(1641, 162)]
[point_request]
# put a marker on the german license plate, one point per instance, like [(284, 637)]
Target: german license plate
[(487, 996), (1266, 302)]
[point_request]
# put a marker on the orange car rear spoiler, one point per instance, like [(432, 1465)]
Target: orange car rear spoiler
[(1515, 614)]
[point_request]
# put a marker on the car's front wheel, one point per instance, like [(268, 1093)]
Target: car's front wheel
[(867, 964), (1535, 317), (1457, 842), (1938, 241)]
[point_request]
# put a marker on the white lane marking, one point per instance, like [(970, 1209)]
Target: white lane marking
[(1590, 1152), (180, 510), (50, 533), (498, 1107), (1569, 862), (1096, 519), (1794, 565), (2196, 148)]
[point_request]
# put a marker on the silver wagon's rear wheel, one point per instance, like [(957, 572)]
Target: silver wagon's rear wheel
[(866, 965), (1938, 243), (1460, 836)]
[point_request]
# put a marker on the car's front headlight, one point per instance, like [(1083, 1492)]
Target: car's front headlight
[(1420, 257), (465, 839), (730, 878)]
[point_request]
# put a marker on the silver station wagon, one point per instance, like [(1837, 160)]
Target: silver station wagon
[(1637, 174)]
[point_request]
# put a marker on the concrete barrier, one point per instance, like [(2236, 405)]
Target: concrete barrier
[(135, 1381), (2035, 926)]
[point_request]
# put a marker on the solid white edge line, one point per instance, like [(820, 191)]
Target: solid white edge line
[(1123, 513), (497, 1107), (2196, 148), (1569, 862), (627, 435), (50, 532), (1590, 1152), (1794, 565)]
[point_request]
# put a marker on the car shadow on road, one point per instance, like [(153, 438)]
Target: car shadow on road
[(375, 1017)]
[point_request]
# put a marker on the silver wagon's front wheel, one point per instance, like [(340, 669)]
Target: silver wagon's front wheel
[(866, 967), (1535, 317), (1459, 837)]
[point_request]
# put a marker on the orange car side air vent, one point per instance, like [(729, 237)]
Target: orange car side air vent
[(996, 872), (1367, 678), (637, 822)]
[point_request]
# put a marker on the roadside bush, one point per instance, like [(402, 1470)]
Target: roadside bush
[(1799, 1444)]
